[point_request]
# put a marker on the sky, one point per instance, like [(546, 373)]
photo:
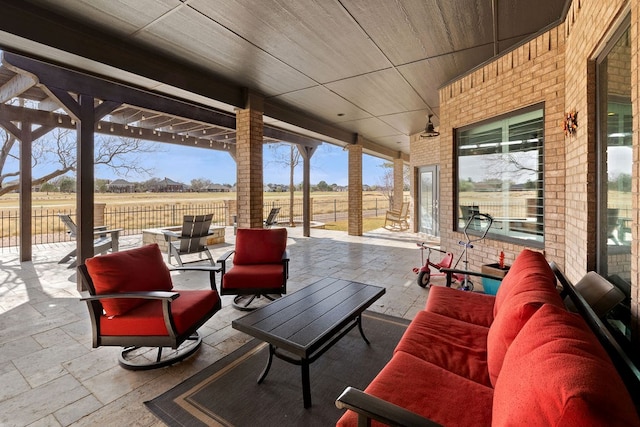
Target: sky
[(182, 164)]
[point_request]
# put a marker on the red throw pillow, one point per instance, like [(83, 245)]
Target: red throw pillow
[(136, 270), (556, 373), (260, 246)]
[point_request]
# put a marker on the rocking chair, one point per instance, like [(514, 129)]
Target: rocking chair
[(132, 304)]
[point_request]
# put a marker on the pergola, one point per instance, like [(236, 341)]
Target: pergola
[(73, 100)]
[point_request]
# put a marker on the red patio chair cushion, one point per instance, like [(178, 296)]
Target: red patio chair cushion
[(260, 246), (147, 320), (136, 270), (267, 276)]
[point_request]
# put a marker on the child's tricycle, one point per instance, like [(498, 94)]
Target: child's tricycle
[(424, 272)]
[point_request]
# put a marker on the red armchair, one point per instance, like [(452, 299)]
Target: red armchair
[(132, 304), (260, 266)]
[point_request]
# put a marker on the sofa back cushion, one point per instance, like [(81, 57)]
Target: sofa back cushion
[(526, 262), (260, 246), (136, 270), (557, 373), (514, 315)]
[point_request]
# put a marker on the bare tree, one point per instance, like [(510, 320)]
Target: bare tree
[(200, 184), (290, 160), (58, 148)]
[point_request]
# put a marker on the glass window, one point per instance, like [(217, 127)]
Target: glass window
[(615, 197), (500, 173)]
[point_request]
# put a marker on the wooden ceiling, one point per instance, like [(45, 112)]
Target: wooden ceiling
[(328, 68)]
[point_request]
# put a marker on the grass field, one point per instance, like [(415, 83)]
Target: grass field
[(10, 201), (136, 211)]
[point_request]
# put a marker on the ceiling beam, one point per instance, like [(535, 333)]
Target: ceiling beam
[(55, 77), (386, 153), (52, 120), (16, 86)]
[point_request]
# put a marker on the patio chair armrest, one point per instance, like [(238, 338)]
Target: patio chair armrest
[(180, 237), (212, 269), (223, 260), (285, 255), (108, 230), (225, 256), (150, 295), (369, 408), (168, 235)]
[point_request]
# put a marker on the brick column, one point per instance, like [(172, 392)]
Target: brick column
[(354, 227), (398, 183), (249, 137)]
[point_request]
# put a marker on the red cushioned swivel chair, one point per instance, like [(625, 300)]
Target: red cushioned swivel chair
[(133, 305), (260, 266)]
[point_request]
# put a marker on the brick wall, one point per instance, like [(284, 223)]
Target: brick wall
[(531, 74), (557, 68)]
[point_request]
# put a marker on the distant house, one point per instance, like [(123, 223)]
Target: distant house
[(217, 188), (170, 186), (121, 186)]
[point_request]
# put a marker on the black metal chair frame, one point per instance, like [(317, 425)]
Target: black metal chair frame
[(128, 358), (192, 239)]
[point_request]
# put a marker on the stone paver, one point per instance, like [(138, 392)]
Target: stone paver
[(51, 376)]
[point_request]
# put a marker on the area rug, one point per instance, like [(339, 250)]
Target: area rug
[(227, 394)]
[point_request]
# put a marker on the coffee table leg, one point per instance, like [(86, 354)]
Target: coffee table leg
[(306, 383), (361, 331), (265, 371)]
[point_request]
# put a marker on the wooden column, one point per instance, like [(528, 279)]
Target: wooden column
[(250, 185), (354, 227), (85, 177), (26, 134), (26, 142), (306, 152)]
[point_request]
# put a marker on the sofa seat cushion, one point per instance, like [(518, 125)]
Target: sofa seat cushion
[(522, 304), (135, 270), (526, 263), (557, 373), (471, 307), (254, 276), (430, 391), (147, 319), (454, 345)]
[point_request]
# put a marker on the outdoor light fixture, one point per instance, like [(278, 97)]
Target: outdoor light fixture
[(429, 130)]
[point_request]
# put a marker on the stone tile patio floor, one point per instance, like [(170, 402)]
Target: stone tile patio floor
[(50, 375)]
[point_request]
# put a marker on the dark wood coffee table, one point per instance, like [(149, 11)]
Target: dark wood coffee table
[(301, 326)]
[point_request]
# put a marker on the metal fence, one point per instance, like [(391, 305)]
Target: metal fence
[(48, 228)]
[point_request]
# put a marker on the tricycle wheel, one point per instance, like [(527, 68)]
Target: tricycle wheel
[(423, 278), (466, 285)]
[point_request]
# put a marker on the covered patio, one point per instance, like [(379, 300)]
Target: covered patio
[(52, 377)]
